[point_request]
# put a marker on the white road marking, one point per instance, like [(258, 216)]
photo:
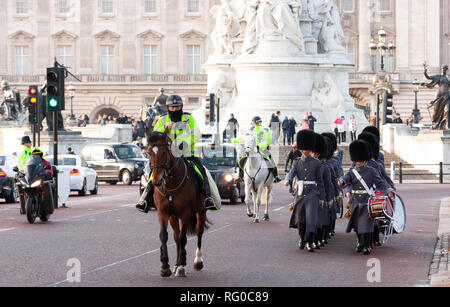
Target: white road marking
[(281, 208), (6, 229), (137, 256)]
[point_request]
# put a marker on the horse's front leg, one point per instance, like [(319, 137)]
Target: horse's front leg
[(201, 221), (176, 236), (183, 241), (248, 195), (164, 237), (268, 191), (257, 203)]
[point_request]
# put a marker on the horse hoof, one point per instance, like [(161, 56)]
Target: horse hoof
[(266, 218), (166, 272), (198, 266), (180, 272), (250, 214), (256, 221)]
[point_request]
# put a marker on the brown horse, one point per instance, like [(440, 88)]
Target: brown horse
[(178, 201)]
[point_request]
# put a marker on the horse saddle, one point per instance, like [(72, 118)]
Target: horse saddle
[(198, 177)]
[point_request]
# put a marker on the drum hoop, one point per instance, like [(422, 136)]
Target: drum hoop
[(404, 210)]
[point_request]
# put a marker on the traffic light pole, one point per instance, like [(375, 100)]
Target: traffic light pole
[(55, 152)]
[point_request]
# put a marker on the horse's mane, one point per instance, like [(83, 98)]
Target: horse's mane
[(156, 137)]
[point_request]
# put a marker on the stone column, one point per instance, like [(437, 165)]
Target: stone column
[(42, 40), (364, 23), (402, 36), (4, 41), (128, 37), (86, 40), (433, 33)]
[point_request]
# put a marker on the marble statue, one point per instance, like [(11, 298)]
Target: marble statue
[(227, 27), (332, 33), (326, 94), (268, 19)]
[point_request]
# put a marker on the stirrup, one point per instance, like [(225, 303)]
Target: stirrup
[(143, 207), (209, 204)]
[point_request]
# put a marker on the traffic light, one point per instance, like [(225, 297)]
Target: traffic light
[(389, 109), (55, 88), (33, 97)]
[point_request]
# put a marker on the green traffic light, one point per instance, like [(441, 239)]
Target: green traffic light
[(53, 103)]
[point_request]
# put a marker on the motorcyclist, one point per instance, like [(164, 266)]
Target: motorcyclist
[(184, 133), (263, 139)]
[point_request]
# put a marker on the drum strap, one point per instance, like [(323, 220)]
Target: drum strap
[(364, 184)]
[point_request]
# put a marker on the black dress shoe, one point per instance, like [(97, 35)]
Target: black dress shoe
[(359, 249), (378, 243), (367, 250), (301, 245), (317, 245), (309, 248)]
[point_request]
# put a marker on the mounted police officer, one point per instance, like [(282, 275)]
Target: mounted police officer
[(184, 133), (263, 139)]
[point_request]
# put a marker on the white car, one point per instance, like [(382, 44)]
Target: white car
[(82, 176)]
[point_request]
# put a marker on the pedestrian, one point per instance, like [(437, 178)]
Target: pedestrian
[(134, 130), (292, 128), (397, 119), (310, 192), (234, 124), (228, 133), (139, 143), (70, 151), (292, 155), (275, 127), (353, 126), (305, 125), (311, 121), (285, 127), (343, 130), (336, 125), (360, 178)]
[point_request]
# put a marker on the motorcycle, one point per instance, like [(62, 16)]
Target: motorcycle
[(35, 190)]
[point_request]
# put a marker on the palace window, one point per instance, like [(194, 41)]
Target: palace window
[(150, 59), (21, 60), (106, 60), (149, 6), (193, 59), (384, 5), (63, 6), (193, 6), (107, 7), (347, 6), (64, 55), (21, 7)]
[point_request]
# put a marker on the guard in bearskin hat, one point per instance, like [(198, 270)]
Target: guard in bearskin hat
[(309, 190), (321, 152), (374, 130), (362, 178)]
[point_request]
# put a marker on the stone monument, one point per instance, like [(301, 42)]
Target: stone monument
[(284, 55)]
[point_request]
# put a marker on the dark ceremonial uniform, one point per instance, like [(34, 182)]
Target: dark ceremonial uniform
[(305, 216), (360, 221)]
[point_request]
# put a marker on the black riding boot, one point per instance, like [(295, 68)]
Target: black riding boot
[(146, 201)]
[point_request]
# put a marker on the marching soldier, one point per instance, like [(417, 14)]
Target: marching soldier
[(263, 139), (362, 178), (321, 153), (374, 130), (310, 192)]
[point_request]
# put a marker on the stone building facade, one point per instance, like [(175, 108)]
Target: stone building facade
[(124, 51)]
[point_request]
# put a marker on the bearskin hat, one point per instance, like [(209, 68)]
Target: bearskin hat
[(333, 140), (373, 142), (321, 147), (306, 140), (374, 130), (329, 146), (360, 151)]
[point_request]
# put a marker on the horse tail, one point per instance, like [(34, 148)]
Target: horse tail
[(192, 226)]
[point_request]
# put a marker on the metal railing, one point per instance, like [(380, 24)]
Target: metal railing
[(417, 168)]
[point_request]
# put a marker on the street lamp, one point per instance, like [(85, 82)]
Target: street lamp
[(71, 92), (381, 48), (416, 111)]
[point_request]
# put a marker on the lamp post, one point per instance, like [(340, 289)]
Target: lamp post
[(71, 92), (416, 111), (382, 80)]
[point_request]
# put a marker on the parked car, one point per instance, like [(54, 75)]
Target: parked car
[(8, 189), (83, 177), (115, 162), (222, 163)]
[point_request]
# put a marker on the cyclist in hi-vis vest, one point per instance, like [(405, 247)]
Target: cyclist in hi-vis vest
[(184, 134), (263, 139)]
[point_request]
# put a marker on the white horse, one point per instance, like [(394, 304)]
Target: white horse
[(258, 180)]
